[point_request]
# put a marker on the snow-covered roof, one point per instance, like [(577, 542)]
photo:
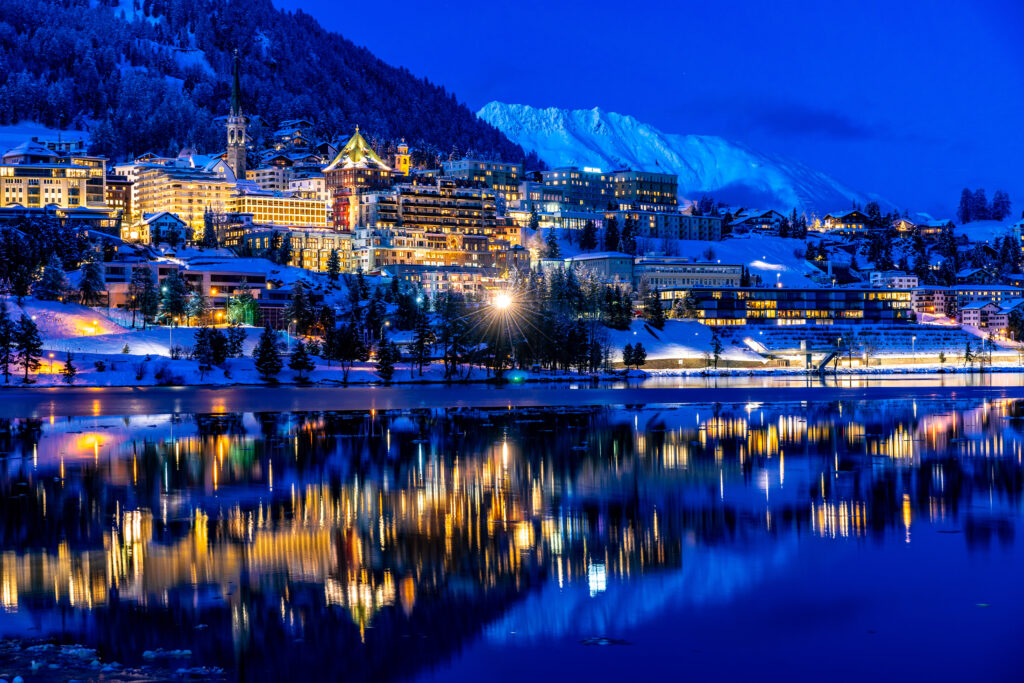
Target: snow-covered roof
[(150, 218), (599, 255), (357, 154), (31, 148)]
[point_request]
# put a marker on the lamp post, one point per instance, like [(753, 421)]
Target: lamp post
[(913, 348), (51, 363), (291, 326)]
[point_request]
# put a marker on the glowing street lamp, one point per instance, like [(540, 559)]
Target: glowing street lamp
[(502, 301), (51, 363)]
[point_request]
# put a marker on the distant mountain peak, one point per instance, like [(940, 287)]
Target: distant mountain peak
[(706, 164)]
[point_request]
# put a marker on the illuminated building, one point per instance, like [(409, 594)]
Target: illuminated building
[(501, 177), (275, 208), (34, 176), (310, 247), (185, 190), (156, 228), (119, 196), (794, 306), (849, 222), (646, 191), (356, 169), (668, 273), (670, 225), (586, 188), (438, 205)]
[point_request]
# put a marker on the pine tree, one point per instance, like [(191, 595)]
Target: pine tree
[(611, 235), (236, 340), (551, 247), (27, 345), (209, 231), (627, 241), (979, 205), (7, 328), (639, 355), (716, 347), (654, 314), (333, 266), (202, 351), (1000, 206), (69, 371), (195, 307), (300, 361), (963, 211), (387, 356), (423, 339), (299, 310), (266, 355), (627, 355), (534, 219), (92, 284), (588, 239), (174, 297), (53, 282)]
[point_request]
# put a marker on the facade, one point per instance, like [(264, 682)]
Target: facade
[(646, 191), (934, 300), (311, 248), (990, 316), (438, 205), (444, 279), (186, 191), (119, 195), (503, 178), (377, 248), (662, 224), (849, 222), (158, 227), (33, 176), (587, 189), (355, 170), (969, 294), (609, 266), (894, 279), (794, 306), (762, 221), (277, 208), (672, 273)]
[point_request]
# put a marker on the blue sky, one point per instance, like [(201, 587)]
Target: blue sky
[(912, 100)]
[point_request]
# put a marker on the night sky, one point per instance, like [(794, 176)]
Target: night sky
[(912, 99)]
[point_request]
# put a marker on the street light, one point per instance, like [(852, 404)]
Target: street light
[(913, 347), (502, 301), (51, 363)]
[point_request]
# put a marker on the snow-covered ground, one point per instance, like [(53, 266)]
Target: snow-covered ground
[(14, 134), (986, 231)]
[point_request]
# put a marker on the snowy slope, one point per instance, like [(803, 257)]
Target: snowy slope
[(731, 171)]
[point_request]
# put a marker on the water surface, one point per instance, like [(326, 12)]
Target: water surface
[(778, 540)]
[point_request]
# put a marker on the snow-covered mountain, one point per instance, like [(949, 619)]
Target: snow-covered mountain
[(729, 171)]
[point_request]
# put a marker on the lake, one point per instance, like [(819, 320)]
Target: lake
[(765, 530)]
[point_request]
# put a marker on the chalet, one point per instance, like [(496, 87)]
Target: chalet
[(852, 221), (762, 221), (154, 228)]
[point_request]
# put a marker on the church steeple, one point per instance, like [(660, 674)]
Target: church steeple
[(236, 124), (236, 89)]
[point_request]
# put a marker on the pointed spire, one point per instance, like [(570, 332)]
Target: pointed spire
[(236, 88)]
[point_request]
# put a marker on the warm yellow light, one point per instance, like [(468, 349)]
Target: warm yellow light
[(503, 301)]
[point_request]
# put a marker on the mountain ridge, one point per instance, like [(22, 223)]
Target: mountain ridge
[(706, 164)]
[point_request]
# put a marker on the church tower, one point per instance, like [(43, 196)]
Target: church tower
[(236, 127)]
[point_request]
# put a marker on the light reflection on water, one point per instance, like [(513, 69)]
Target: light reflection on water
[(388, 545)]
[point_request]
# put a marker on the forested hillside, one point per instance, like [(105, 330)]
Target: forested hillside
[(153, 75)]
